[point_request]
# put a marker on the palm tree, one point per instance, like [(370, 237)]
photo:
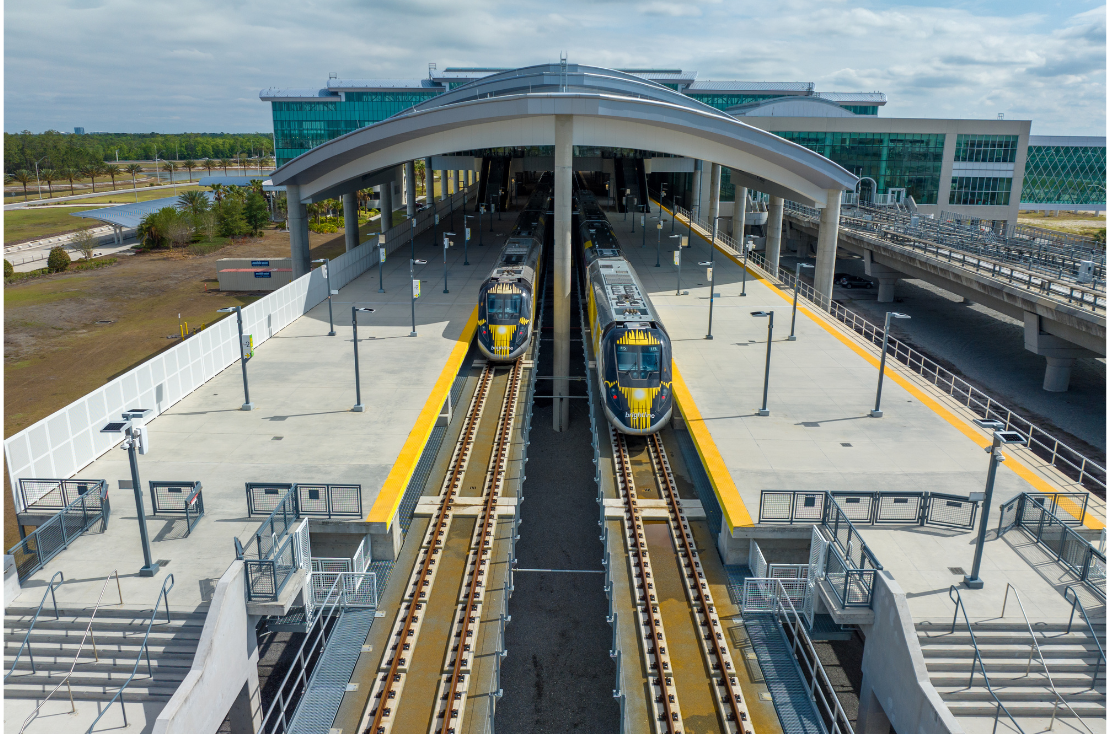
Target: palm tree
[(49, 175), (134, 169), (209, 164), (69, 173), (225, 162), (91, 170), (189, 165), (218, 191), (193, 201), (24, 177), (112, 170)]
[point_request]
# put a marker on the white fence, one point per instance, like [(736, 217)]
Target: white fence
[(64, 443)]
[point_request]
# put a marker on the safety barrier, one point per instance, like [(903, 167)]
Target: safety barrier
[(1036, 516), (308, 500), (53, 494), (869, 508), (55, 535), (178, 498), (1071, 463), (761, 594)]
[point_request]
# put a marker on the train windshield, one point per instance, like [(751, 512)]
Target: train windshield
[(638, 361), (503, 305)]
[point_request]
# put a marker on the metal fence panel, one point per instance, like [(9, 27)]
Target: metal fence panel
[(87, 511), (756, 561), (48, 494), (951, 511), (899, 508), (776, 506), (264, 497), (857, 507)]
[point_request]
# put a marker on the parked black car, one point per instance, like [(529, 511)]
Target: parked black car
[(844, 280)]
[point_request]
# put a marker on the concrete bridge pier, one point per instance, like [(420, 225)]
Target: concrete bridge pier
[(826, 245), (774, 234), (739, 214), (564, 162), (410, 188), (298, 230), (350, 220), (1059, 354), (887, 277), (429, 181)]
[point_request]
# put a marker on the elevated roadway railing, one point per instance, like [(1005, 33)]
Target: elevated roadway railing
[(993, 261), (1072, 464)]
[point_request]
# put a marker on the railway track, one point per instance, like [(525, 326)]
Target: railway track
[(731, 709), (451, 694)]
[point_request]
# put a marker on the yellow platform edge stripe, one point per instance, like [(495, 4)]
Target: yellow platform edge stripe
[(393, 488), (735, 511), (1017, 465)]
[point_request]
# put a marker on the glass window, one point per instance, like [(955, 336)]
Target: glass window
[(986, 148), (1065, 174), (501, 305), (638, 361), (980, 191), (723, 101)]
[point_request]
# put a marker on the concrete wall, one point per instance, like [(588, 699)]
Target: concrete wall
[(226, 662), (896, 691)]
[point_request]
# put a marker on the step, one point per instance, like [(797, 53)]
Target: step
[(107, 661), (93, 676), (1011, 693), (1040, 710), (135, 692), (1078, 665), (1006, 638), (25, 614), (1010, 625), (1019, 679), (63, 637), (988, 652), (100, 624)]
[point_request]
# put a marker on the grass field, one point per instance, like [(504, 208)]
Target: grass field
[(1083, 225), (29, 224), (127, 196)]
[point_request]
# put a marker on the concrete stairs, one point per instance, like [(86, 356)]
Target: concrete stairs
[(119, 637), (1071, 657)]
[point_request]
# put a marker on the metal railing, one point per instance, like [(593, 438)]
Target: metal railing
[(54, 494), (1070, 462), (869, 508), (88, 635), (1035, 646), (821, 691), (761, 594), (163, 596), (1072, 550), (27, 637), (345, 592), (178, 498), (55, 535), (1090, 628), (1000, 707)]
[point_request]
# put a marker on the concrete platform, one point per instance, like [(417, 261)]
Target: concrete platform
[(820, 437), (301, 428)]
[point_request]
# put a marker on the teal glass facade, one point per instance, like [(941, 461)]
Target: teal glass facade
[(722, 101), (301, 126), (986, 148), (1065, 175), (861, 109), (980, 191), (910, 161)]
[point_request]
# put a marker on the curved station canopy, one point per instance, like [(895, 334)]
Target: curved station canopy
[(610, 109)]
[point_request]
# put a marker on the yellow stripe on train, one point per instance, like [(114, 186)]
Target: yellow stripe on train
[(637, 337), (639, 400), (502, 339)]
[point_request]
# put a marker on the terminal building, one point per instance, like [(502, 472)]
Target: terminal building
[(986, 169)]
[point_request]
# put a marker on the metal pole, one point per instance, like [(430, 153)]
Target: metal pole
[(358, 407), (876, 413), (445, 259), (149, 568), (712, 277), (678, 278), (794, 310), (767, 369), (381, 265), (973, 581), (247, 404), (412, 293), (643, 227), (658, 241), (331, 321), (744, 274), (480, 210)]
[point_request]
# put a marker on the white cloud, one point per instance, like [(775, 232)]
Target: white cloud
[(133, 65)]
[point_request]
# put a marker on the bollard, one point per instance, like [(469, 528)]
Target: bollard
[(615, 649)]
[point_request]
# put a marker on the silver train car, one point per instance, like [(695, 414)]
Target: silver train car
[(631, 345), (507, 298)]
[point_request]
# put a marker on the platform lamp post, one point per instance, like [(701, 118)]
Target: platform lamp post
[(658, 238), (481, 211), (643, 225), (381, 263), (770, 316), (797, 287), (246, 351), (678, 262), (136, 442), (446, 244), (466, 237), (358, 406), (413, 262), (500, 193), (712, 275), (876, 413), (327, 274), (1001, 437)]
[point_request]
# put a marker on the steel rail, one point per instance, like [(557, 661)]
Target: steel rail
[(698, 592), (483, 545), (634, 534), (436, 537), (50, 587)]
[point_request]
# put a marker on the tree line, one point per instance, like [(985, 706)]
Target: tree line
[(56, 150)]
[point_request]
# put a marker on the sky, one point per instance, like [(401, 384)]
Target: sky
[(198, 65)]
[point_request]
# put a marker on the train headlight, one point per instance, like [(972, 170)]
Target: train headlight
[(639, 394), (500, 329)]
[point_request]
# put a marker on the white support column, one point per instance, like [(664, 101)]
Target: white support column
[(429, 182), (564, 162), (714, 196), (442, 185), (387, 207), (695, 203), (826, 246), (774, 234), (298, 230), (350, 220), (410, 188), (451, 186), (739, 214)]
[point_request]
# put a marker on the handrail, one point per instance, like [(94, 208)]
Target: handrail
[(836, 715), (959, 602), (27, 638), (1091, 627), (88, 633), (1035, 645), (162, 595)]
